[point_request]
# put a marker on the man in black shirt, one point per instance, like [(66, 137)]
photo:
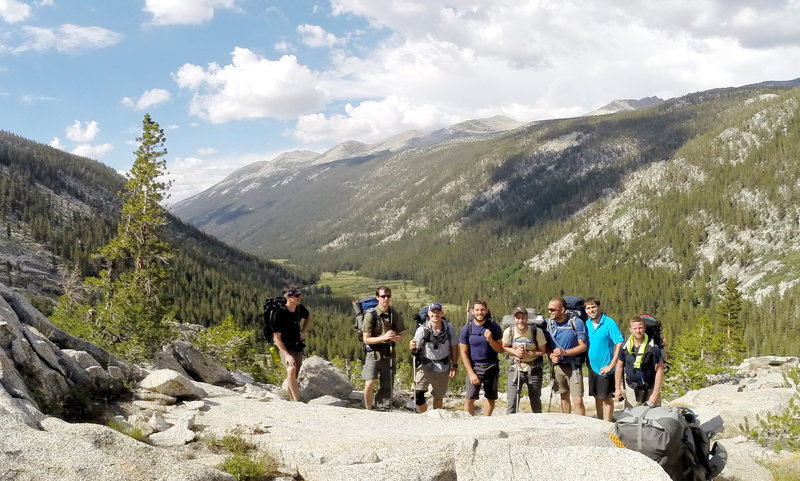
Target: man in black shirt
[(289, 337)]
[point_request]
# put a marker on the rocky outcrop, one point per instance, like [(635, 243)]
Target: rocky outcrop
[(87, 452), (318, 377), (200, 366), (318, 440)]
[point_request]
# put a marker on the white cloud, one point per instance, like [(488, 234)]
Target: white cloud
[(56, 144), (316, 36), (67, 38), (251, 87), (207, 151), (77, 133), (371, 121), (534, 60), (13, 11), (31, 99), (183, 12), (92, 151), (148, 99), (282, 46)]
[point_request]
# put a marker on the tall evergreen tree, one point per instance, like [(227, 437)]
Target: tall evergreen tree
[(127, 310), (729, 309)]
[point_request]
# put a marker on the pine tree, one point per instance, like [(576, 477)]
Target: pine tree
[(127, 310), (729, 308), (695, 355)]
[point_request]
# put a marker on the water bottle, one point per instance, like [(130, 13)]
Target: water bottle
[(276, 355)]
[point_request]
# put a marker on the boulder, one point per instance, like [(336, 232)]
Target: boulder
[(171, 383), (733, 405), (88, 452), (319, 377), (200, 366), (328, 400), (172, 437), (83, 358), (743, 457), (164, 360), (324, 443)]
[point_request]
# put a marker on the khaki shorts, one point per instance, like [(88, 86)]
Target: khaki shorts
[(298, 359), (568, 379), (638, 397), (440, 381)]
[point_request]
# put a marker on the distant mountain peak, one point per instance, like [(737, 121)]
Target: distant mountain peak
[(624, 105)]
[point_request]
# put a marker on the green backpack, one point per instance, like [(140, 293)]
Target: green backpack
[(674, 439)]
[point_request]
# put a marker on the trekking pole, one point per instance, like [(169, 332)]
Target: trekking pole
[(391, 373), (519, 374), (413, 371), (552, 384)]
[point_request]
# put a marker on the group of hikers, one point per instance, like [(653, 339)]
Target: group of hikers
[(631, 370)]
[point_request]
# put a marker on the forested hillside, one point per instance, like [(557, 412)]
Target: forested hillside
[(57, 209), (652, 210)]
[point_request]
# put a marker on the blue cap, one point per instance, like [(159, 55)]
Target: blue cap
[(435, 305)]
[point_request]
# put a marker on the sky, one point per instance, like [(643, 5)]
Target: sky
[(234, 82)]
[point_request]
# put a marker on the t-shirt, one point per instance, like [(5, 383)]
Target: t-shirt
[(289, 325), (434, 352), (646, 374), (480, 352), (602, 340), (376, 323), (512, 337), (561, 334)]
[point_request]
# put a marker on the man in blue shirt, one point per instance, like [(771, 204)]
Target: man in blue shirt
[(567, 337), (480, 341), (605, 340)]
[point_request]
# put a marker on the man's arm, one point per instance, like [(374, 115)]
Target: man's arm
[(306, 325), (657, 384), (276, 338), (581, 347), (454, 357), (367, 334), (607, 369), (496, 344), (464, 348), (618, 379)]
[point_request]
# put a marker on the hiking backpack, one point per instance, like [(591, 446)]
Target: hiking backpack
[(423, 321), (674, 439), (271, 306), (576, 307), (361, 307), (652, 327), (535, 321)]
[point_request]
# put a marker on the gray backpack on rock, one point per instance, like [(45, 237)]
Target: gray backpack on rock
[(674, 439)]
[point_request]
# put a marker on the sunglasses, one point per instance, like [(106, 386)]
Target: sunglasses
[(385, 296), (551, 310), (298, 295)]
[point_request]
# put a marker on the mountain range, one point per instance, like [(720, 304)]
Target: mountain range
[(664, 203)]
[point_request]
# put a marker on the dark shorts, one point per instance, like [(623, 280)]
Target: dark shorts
[(488, 374), (601, 386), (298, 359)]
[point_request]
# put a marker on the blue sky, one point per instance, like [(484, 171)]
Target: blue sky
[(238, 81)]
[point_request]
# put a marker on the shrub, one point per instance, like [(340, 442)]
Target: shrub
[(246, 468), (779, 431)]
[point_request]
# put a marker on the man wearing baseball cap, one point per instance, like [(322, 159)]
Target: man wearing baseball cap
[(434, 344), (526, 345)]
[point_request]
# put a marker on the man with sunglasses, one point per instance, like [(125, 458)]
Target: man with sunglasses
[(567, 338), (382, 328), (289, 337)]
